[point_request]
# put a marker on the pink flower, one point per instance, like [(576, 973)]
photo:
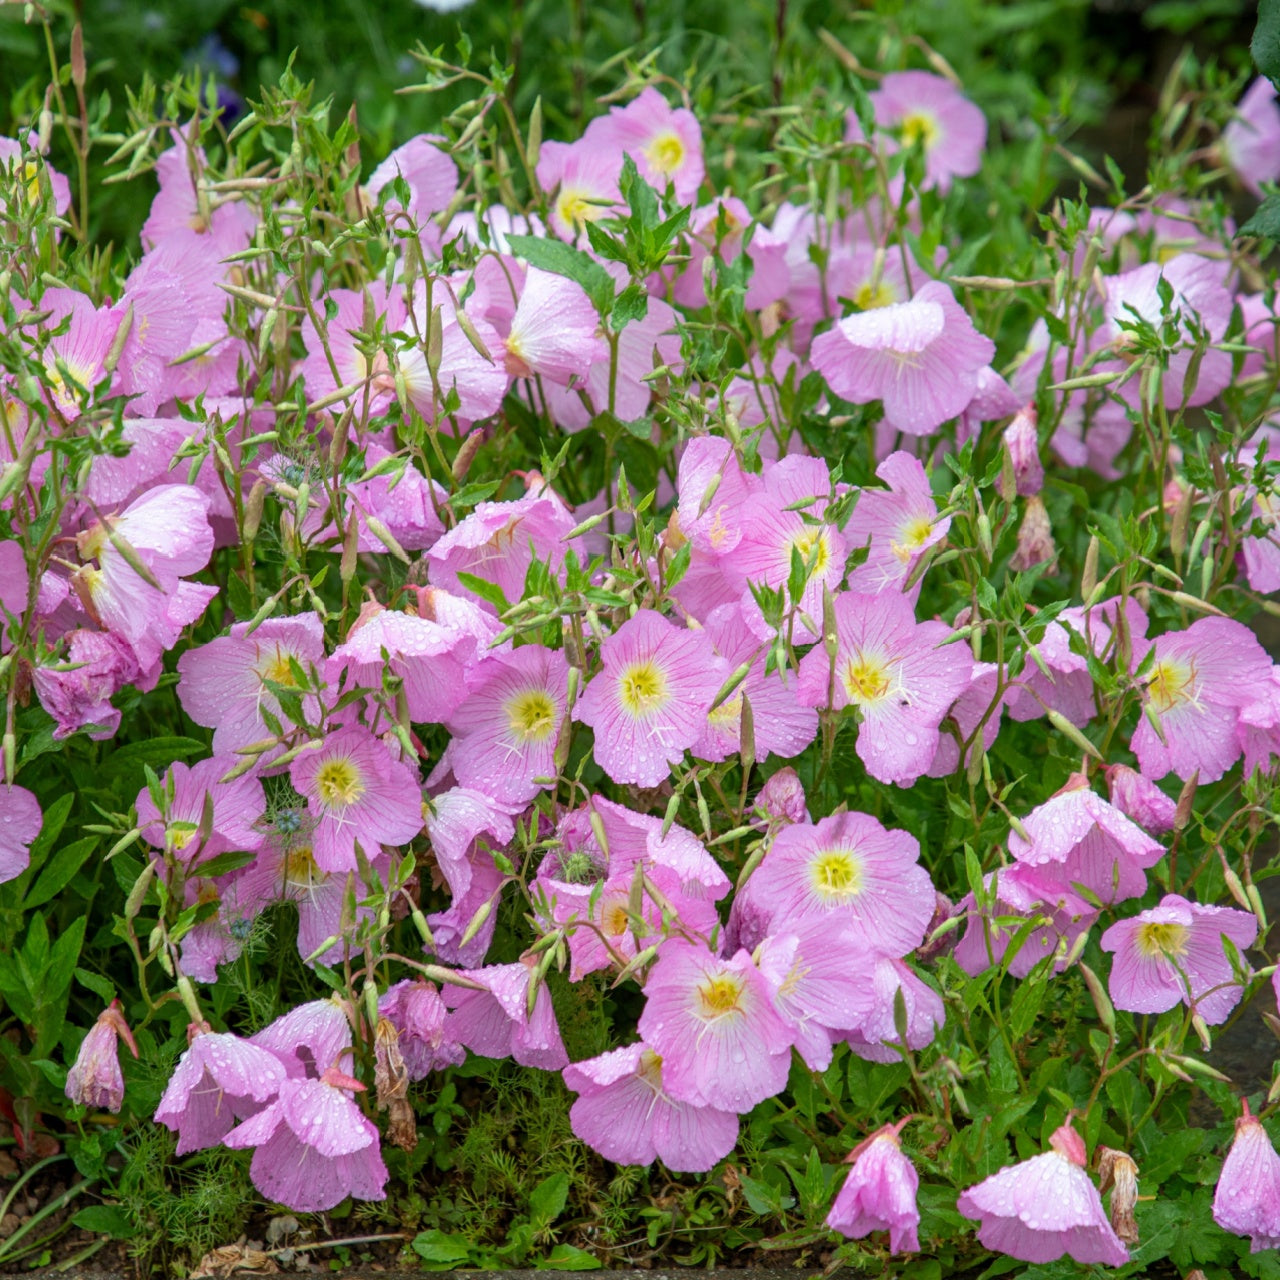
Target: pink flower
[(77, 690), (355, 790), (499, 540), (1200, 294), (95, 1079), (713, 1023), (1023, 892), (782, 726), (505, 731), (314, 1148), (849, 871), (218, 1080), (920, 358), (922, 107), (495, 1022), (1140, 799), (625, 1114), (20, 823), (1201, 679), (75, 361), (1251, 141), (418, 1014), (169, 532), (818, 975), (649, 703), (1076, 837), (782, 797), (880, 1193), (897, 525), (665, 143), (586, 173), (718, 230), (1247, 1199), (892, 982), (1045, 1208), (223, 683), (428, 169), (712, 488), (429, 657), (1174, 953), (234, 806), (899, 676), (554, 332), (309, 1039)]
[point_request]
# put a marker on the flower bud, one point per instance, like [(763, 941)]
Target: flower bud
[(1024, 451)]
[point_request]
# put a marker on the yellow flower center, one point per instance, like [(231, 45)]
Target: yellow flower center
[(919, 127), (1162, 939), (911, 537), (813, 543), (870, 296), (836, 875), (643, 689), (614, 919), (300, 870), (531, 715), (728, 715), (180, 834), (1171, 683), (720, 995), (338, 783), (665, 153), (866, 678), (278, 670), (575, 208), (651, 1068)]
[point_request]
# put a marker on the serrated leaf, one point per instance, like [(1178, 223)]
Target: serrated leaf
[(564, 260)]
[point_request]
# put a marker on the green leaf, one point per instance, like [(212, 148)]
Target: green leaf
[(470, 494), (566, 1257), (160, 751), (632, 304), (1265, 222), (436, 1247), (548, 1198), (104, 1220), (1265, 45), (96, 983), (224, 863), (564, 260), (58, 871), (486, 590)]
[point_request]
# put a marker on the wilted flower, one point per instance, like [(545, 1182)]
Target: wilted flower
[(1117, 1170), (880, 1192), (1247, 1200), (95, 1079)]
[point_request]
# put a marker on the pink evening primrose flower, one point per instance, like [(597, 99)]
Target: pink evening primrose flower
[(168, 529), (849, 871), (313, 1146), (1045, 1208), (1251, 141), (897, 525), (235, 808), (77, 690), (95, 1079), (897, 673), (664, 141), (1247, 1199), (428, 169), (355, 790), (1201, 680), (222, 684), (717, 230), (649, 702), (505, 731), (495, 1021), (218, 1080), (713, 1023), (310, 1038), (1078, 838), (624, 1113), (554, 332), (920, 358), (712, 489), (20, 823), (1174, 953), (584, 176), (880, 1193), (894, 983), (926, 108)]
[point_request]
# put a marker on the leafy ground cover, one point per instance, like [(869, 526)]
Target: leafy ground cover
[(657, 677)]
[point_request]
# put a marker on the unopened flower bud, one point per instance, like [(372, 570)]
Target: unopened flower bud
[(1024, 451), (1035, 538)]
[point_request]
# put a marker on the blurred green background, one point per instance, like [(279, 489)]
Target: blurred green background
[(1092, 67)]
